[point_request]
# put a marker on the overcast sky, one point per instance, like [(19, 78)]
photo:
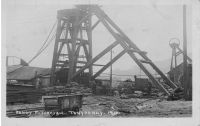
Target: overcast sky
[(149, 26)]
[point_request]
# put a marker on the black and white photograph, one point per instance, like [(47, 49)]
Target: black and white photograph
[(64, 60)]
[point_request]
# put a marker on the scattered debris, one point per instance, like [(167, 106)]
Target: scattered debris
[(72, 88)]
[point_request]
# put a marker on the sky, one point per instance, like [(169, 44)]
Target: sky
[(150, 26)]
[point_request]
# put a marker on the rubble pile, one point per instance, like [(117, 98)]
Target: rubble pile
[(72, 88)]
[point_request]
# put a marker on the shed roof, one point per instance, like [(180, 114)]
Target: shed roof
[(17, 72)]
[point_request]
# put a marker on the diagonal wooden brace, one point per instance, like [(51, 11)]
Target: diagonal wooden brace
[(96, 58), (110, 63)]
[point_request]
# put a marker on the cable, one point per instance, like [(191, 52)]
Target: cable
[(43, 46), (36, 55), (46, 42), (42, 49)]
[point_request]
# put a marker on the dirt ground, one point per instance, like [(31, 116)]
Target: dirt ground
[(110, 106), (135, 107)]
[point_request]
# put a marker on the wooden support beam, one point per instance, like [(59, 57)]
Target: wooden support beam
[(96, 58), (154, 81), (59, 51), (65, 66), (81, 62), (175, 58), (60, 65), (120, 37), (70, 41), (101, 14), (68, 46), (144, 61), (185, 57), (167, 80), (76, 57), (109, 63), (82, 28), (69, 51), (78, 49), (89, 35), (86, 52), (188, 58), (171, 66), (124, 45), (58, 33), (74, 37), (98, 65), (137, 51), (84, 18), (178, 53), (96, 24)]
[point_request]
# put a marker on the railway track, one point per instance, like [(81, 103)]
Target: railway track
[(22, 113)]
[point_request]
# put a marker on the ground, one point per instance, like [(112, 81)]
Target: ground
[(110, 106)]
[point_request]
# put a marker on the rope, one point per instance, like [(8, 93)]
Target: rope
[(45, 44)]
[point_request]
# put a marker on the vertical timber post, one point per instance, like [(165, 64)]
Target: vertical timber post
[(74, 29), (111, 68), (53, 68), (185, 66), (89, 33), (6, 60)]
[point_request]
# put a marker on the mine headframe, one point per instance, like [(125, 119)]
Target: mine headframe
[(175, 72), (72, 23), (176, 51)]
